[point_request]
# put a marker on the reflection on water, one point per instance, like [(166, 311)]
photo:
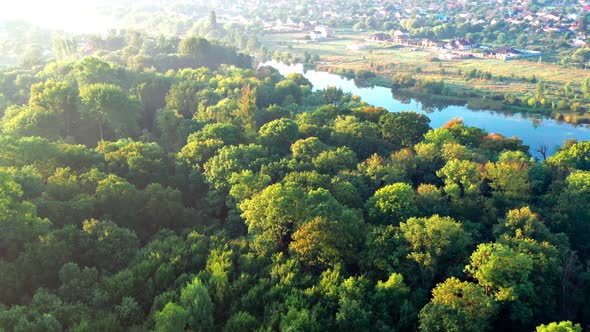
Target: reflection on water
[(534, 129), (427, 104)]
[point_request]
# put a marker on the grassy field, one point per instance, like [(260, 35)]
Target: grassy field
[(508, 76)]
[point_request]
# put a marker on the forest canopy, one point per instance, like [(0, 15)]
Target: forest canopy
[(197, 193)]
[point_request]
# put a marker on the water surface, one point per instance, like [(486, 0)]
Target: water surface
[(533, 129)]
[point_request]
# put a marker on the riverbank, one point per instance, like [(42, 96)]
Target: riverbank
[(474, 100), (535, 130), (481, 98), (514, 86)]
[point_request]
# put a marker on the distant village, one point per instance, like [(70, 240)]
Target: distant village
[(458, 48), (398, 22), (559, 17)]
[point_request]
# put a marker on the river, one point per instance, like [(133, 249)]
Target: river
[(533, 129)]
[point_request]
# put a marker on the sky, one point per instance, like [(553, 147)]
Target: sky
[(68, 15)]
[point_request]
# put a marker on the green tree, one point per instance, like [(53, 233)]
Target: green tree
[(581, 56), (182, 97), (194, 47), (106, 246), (196, 152), (172, 318), (172, 129), (522, 40), (564, 326), (92, 70), (354, 311), (233, 159), (58, 97), (405, 128), (246, 111), (571, 214), (276, 213), (461, 178), (308, 148), (246, 184), (430, 200), (436, 244), (19, 223), (328, 243), (391, 305), (522, 223), (506, 276), (509, 182), (333, 161), (228, 133), (63, 47), (108, 104), (138, 162), (392, 204), (128, 312), (195, 299), (25, 121), (573, 156), (458, 306), (240, 322), (278, 135), (586, 87), (502, 272)]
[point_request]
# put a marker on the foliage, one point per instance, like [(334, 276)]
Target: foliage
[(392, 204), (565, 326), (157, 194), (458, 306)]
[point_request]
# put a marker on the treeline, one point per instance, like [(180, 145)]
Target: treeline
[(239, 200), (569, 99), (428, 85)]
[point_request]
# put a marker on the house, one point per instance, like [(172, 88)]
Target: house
[(579, 43), (293, 22), (427, 43), (552, 17), (325, 32), (398, 33), (381, 38), (461, 44), (401, 39), (316, 35), (305, 25), (503, 53)]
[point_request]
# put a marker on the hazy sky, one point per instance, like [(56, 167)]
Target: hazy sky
[(40, 9), (70, 15)]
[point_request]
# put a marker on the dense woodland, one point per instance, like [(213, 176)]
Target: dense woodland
[(218, 197)]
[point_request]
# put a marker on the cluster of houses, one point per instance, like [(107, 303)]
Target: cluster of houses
[(457, 48), (289, 25), (403, 38), (555, 16), (315, 30), (283, 16)]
